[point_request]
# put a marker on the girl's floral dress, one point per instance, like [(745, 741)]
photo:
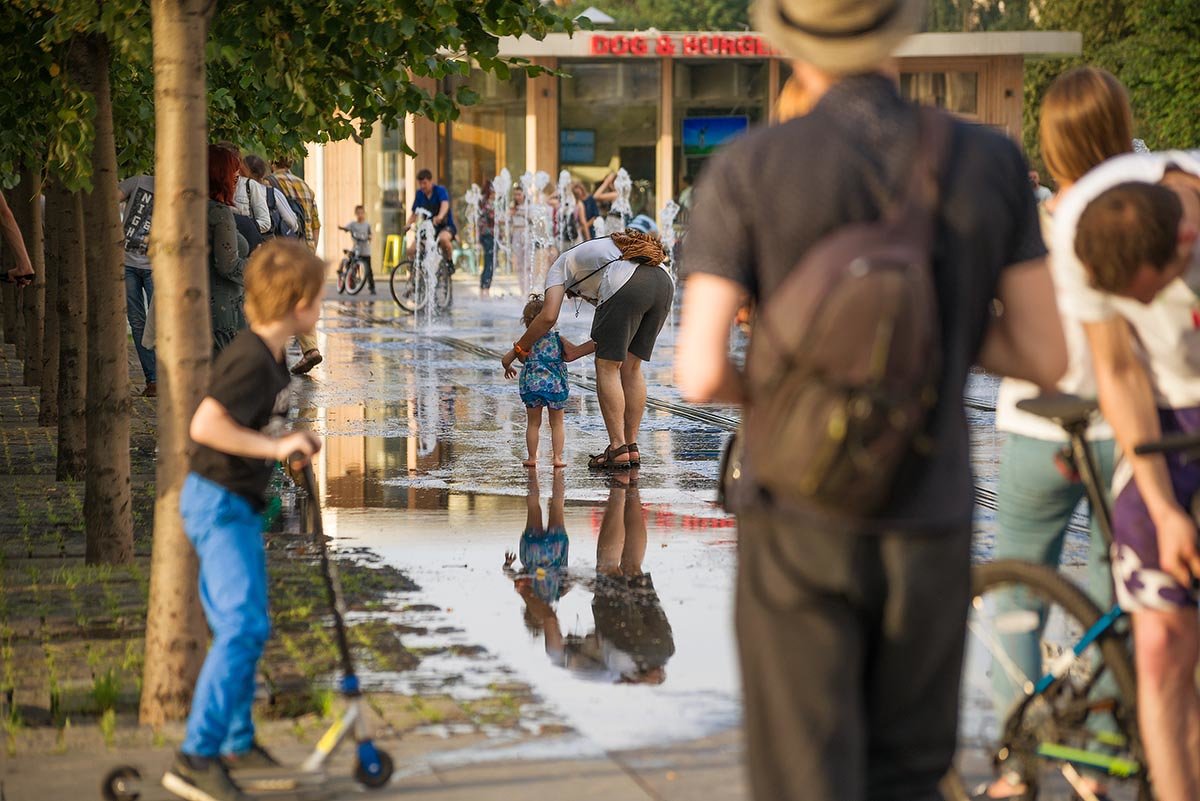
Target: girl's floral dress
[(544, 375)]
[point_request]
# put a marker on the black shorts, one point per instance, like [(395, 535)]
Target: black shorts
[(445, 227), (629, 322)]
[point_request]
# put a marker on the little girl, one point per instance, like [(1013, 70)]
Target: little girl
[(544, 383)]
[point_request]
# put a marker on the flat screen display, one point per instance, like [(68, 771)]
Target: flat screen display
[(577, 146), (703, 136)]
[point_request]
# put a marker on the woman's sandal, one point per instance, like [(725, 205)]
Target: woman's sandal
[(605, 461)]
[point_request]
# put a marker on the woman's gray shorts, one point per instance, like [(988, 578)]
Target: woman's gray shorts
[(630, 321)]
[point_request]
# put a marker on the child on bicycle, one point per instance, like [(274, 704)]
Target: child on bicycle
[(543, 382), (360, 232), (221, 505)]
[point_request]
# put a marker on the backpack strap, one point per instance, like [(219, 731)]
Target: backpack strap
[(920, 203)]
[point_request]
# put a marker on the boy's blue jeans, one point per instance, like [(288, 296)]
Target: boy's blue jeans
[(227, 535)]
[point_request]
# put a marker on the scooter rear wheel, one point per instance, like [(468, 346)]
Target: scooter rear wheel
[(121, 784), (378, 779)]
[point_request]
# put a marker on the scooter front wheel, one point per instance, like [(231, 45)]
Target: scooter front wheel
[(121, 784), (374, 779)]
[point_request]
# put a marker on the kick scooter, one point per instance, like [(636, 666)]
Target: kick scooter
[(373, 767)]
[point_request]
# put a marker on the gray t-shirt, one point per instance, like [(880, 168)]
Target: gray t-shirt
[(135, 218), (360, 232)]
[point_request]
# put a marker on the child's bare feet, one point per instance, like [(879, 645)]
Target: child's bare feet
[(529, 463), (558, 460)]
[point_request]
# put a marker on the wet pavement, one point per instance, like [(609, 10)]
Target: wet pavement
[(625, 633)]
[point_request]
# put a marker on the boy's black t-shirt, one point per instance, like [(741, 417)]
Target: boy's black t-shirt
[(251, 385)]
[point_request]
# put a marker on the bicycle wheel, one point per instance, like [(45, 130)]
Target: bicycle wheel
[(341, 276), (409, 287), (1035, 700), (356, 277), (443, 294)]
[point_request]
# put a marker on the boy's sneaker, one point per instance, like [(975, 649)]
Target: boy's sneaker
[(201, 779), (257, 758)]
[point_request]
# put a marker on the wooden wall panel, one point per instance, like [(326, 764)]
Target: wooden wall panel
[(541, 121), (664, 189), (343, 190)]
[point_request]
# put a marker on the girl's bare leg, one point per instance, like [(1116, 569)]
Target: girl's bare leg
[(558, 491), (533, 427), (533, 504), (558, 436)]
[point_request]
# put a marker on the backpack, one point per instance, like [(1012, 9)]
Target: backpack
[(277, 227), (844, 363)]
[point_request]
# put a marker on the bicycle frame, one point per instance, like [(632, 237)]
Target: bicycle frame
[(1089, 475)]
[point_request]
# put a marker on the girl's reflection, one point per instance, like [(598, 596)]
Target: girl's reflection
[(632, 640)]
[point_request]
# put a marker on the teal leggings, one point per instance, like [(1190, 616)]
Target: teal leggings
[(1034, 509)]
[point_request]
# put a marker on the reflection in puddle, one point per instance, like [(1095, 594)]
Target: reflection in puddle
[(630, 639)]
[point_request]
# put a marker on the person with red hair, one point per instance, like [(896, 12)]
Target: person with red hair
[(227, 249)]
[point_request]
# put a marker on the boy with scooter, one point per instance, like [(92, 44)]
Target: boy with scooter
[(221, 505)]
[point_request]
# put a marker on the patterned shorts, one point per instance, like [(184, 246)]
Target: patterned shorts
[(1137, 573)]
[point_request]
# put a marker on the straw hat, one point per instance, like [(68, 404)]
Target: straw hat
[(838, 36)]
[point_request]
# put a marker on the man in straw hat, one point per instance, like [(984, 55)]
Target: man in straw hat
[(851, 625)]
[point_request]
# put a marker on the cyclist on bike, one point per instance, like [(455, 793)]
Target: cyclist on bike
[(360, 232), (1126, 235), (436, 200)]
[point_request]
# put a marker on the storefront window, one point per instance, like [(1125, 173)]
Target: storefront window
[(488, 136), (954, 91), (383, 191), (715, 101), (608, 118)]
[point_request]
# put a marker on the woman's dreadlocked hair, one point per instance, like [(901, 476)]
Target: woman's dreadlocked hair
[(639, 247)]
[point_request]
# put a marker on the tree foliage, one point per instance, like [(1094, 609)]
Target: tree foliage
[(279, 75)]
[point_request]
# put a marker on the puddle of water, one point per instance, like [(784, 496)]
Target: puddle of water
[(619, 617)]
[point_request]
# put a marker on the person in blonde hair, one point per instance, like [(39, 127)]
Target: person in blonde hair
[(1085, 121), (221, 505), (623, 276)]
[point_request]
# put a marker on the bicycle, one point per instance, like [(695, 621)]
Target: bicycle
[(1082, 712), (351, 274), (409, 281)]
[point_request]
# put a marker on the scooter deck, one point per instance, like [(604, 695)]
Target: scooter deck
[(276, 785)]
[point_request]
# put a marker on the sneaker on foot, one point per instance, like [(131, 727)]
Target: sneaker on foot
[(201, 779), (307, 362), (257, 758)]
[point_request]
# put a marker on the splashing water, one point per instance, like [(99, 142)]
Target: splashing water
[(501, 186), (620, 207), (566, 209)]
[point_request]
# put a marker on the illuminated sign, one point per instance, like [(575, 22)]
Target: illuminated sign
[(686, 45)]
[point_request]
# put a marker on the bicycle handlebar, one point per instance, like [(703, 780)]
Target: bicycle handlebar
[(1187, 444)]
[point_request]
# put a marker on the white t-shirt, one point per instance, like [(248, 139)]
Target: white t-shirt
[(1080, 378), (593, 270), (250, 200), (1167, 330)]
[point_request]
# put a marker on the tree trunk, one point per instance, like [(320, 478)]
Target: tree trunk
[(175, 631), (33, 296), (107, 513), (72, 334), (10, 294), (58, 206)]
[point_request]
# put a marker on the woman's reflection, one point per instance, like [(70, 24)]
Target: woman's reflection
[(631, 641)]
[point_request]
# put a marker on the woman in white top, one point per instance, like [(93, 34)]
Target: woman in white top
[(1086, 119)]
